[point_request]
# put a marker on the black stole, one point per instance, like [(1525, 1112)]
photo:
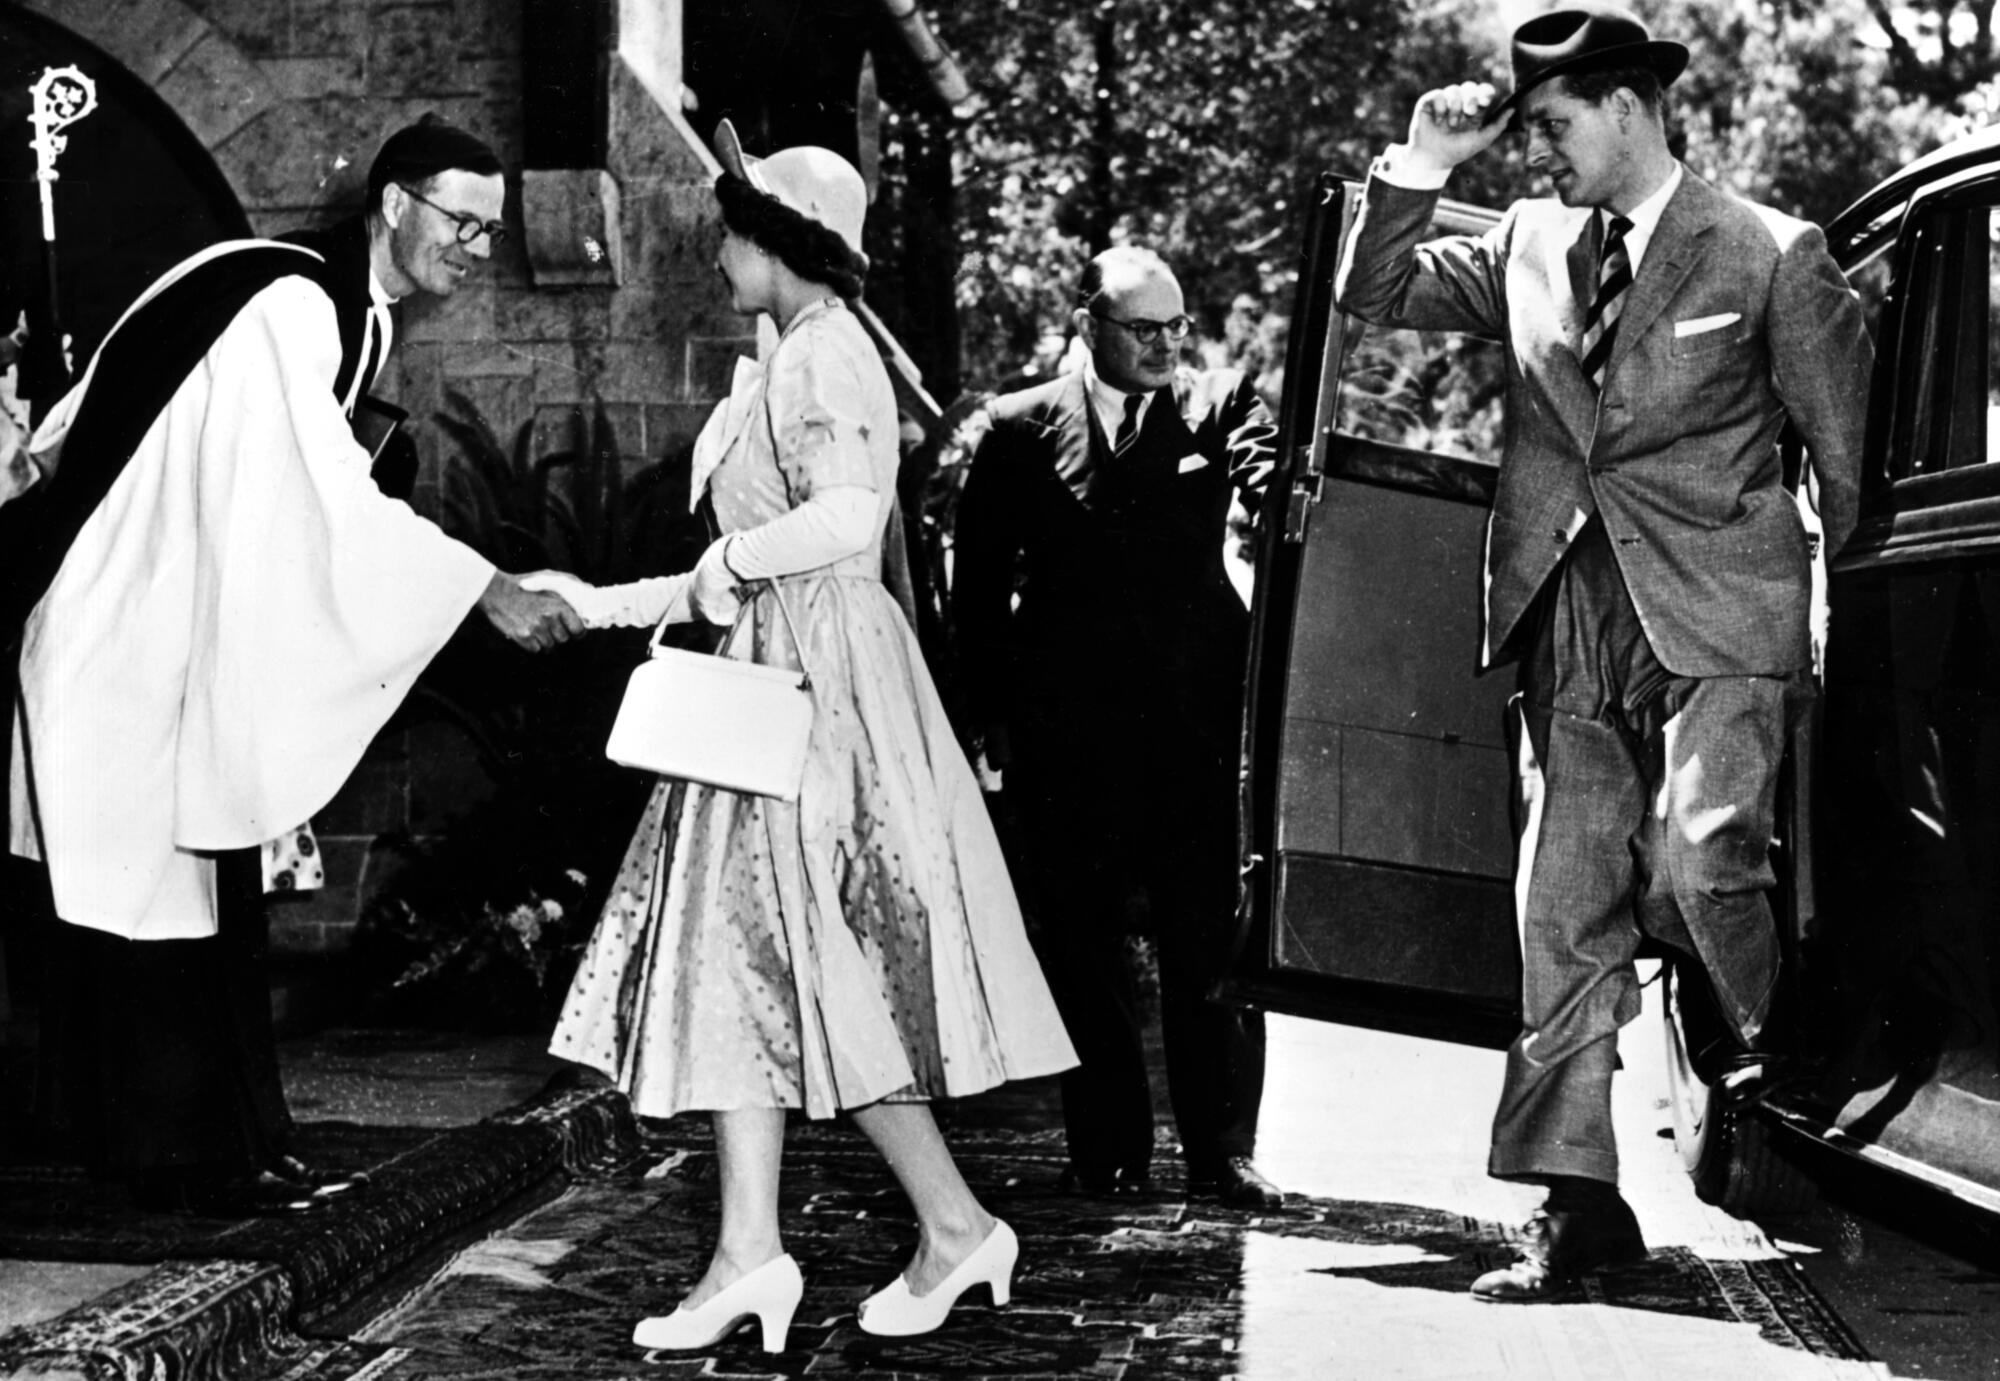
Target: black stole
[(139, 368)]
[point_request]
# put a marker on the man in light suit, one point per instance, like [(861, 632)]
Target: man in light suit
[(1645, 563), (1111, 695)]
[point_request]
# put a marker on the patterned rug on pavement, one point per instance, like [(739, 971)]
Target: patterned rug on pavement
[(1104, 1290), (223, 1300)]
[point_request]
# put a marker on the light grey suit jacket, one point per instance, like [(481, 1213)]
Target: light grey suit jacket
[(1737, 320)]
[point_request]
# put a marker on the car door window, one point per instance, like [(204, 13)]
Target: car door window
[(1946, 388), (1428, 390), (1424, 389)]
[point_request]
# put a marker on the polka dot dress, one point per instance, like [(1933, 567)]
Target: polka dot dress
[(863, 943)]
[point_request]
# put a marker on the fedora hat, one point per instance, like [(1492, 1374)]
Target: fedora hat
[(1581, 39), (817, 183)]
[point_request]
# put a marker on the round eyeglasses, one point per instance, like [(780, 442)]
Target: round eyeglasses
[(1146, 332), (469, 228)]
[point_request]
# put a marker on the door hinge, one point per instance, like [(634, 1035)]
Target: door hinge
[(1299, 506)]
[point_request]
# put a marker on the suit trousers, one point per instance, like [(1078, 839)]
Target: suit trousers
[(1099, 865), (158, 1055), (1646, 808)]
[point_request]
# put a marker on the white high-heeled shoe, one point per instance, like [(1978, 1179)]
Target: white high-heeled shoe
[(896, 1313), (771, 1292)]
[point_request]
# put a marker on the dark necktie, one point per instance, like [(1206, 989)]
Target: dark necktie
[(1600, 326), (1128, 429)]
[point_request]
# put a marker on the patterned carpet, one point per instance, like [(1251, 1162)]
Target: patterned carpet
[(227, 1295), (58, 1213), (1154, 1289)]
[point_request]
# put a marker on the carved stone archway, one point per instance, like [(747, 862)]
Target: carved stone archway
[(144, 181), (209, 81)]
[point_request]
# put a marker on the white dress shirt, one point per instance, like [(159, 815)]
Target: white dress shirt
[(1109, 402)]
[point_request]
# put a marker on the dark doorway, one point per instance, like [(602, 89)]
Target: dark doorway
[(137, 191)]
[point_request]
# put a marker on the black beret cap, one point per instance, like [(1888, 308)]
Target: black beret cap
[(419, 152)]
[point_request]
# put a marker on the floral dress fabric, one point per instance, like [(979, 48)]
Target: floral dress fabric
[(864, 943)]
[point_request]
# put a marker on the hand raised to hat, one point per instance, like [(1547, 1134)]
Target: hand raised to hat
[(1448, 126)]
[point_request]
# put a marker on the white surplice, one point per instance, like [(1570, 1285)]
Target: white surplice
[(233, 625)]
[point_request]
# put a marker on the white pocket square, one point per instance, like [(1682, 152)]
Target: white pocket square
[(1700, 325), (1189, 464)]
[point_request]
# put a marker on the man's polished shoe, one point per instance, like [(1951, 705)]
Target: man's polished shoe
[(1236, 1183), (1562, 1245), (1116, 1182), (1751, 1078), (234, 1196), (314, 1179)]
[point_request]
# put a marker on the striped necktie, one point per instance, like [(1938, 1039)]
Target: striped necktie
[(1600, 326), (1128, 429)]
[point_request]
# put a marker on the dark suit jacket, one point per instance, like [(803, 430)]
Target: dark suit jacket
[(1127, 629), (1737, 320)]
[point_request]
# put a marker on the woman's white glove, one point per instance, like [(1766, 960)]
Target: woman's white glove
[(638, 604), (835, 522), (713, 592)]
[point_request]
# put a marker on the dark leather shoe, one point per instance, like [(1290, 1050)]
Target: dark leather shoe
[(1751, 1078), (1236, 1183), (1117, 1182), (1559, 1246), (315, 1179), (237, 1196)]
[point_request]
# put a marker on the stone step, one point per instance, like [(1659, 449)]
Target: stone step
[(227, 1319)]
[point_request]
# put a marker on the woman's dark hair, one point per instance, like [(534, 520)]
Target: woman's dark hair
[(809, 249)]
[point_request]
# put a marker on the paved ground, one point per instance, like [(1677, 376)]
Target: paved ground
[(1913, 1273), (384, 1079), (1359, 1115)]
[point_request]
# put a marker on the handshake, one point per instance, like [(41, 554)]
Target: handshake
[(538, 611), (529, 618)]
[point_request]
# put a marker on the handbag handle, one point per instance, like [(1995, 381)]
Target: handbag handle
[(743, 608)]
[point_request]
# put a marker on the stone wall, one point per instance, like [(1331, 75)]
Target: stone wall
[(292, 98)]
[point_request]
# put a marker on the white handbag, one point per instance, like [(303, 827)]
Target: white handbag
[(741, 726)]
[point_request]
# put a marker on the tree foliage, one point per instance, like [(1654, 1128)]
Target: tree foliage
[(1198, 126), (1939, 53), (1793, 107), (1194, 126)]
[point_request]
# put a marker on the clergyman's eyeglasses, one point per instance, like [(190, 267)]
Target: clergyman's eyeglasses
[(469, 228), (1146, 332)]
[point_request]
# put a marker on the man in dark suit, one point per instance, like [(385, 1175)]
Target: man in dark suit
[(1646, 561), (1110, 695)]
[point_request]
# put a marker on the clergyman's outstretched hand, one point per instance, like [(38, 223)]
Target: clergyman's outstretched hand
[(535, 620)]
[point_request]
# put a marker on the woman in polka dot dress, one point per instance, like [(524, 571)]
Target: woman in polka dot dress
[(862, 949)]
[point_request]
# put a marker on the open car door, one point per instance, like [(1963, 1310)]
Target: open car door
[(1378, 849)]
